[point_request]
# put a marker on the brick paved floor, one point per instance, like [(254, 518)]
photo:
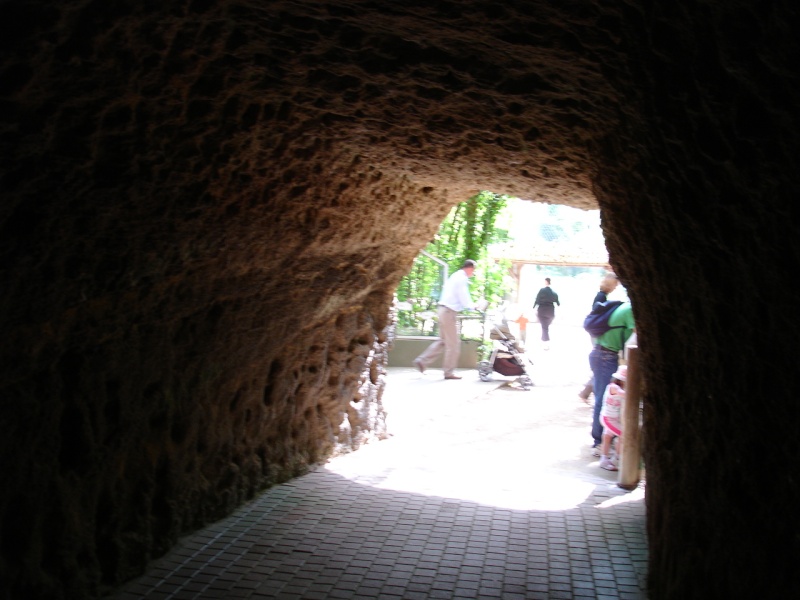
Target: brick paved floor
[(484, 491)]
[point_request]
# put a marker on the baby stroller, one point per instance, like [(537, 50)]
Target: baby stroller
[(506, 358)]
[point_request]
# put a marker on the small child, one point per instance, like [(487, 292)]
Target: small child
[(610, 417), (522, 320)]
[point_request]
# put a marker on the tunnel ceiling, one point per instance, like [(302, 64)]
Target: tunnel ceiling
[(422, 94), (459, 96)]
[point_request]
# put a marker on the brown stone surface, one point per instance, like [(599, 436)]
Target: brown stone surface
[(206, 207)]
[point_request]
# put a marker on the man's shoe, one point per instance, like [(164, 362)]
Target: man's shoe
[(419, 365), (452, 376)]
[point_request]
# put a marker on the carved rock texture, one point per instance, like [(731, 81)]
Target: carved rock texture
[(208, 205)]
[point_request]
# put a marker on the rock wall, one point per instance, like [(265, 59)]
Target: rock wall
[(207, 207)]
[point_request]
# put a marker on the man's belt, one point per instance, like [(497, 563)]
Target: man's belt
[(599, 347)]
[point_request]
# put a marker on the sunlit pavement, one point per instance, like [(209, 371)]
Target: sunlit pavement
[(483, 490), (515, 448)]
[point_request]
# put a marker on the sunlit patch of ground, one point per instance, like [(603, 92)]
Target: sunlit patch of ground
[(489, 442)]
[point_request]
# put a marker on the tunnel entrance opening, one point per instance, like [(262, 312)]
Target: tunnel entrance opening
[(528, 241), (539, 240), (561, 365)]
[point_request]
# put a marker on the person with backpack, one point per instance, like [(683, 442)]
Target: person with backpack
[(608, 284), (546, 300), (610, 329)]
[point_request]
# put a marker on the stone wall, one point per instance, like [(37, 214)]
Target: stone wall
[(207, 207)]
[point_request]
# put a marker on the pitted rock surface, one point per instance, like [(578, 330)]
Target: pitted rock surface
[(208, 205)]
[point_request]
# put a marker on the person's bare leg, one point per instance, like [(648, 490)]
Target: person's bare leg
[(586, 391), (605, 444), (605, 450)]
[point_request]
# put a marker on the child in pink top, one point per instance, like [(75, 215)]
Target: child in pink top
[(610, 417)]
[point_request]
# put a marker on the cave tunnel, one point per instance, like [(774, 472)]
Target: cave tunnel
[(206, 208)]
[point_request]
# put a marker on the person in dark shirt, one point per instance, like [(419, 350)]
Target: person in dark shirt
[(545, 303)]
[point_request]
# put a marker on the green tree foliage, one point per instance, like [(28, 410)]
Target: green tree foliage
[(467, 232)]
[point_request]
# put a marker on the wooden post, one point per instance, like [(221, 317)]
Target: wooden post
[(628, 476)]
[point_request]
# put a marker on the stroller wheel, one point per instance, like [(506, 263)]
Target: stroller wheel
[(526, 382), (485, 370)]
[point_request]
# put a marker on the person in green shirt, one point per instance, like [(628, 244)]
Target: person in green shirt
[(604, 360), (608, 284)]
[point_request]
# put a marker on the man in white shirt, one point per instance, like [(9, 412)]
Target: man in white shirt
[(455, 298)]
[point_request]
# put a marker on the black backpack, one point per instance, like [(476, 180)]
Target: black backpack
[(596, 322)]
